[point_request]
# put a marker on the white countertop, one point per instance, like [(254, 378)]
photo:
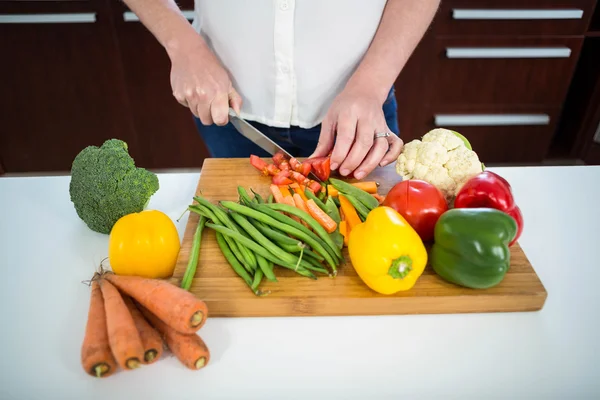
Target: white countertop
[(46, 251)]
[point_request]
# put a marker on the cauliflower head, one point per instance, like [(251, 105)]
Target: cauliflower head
[(440, 158)]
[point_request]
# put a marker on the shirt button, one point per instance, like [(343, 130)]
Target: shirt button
[(284, 5)]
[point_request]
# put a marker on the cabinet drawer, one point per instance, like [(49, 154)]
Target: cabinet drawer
[(494, 71), (513, 17), (501, 135)]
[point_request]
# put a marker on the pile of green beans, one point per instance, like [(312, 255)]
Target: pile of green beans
[(256, 234), (362, 201)]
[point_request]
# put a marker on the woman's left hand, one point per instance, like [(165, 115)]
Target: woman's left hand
[(349, 129)]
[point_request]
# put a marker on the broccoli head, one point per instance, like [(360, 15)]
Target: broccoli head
[(106, 185)]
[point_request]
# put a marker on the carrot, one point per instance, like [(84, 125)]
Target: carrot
[(289, 200), (321, 216), (123, 336), (294, 185), (301, 205), (300, 191), (344, 231), (189, 349), (349, 212), (96, 357), (153, 345), (342, 216), (379, 197), (177, 307), (285, 191), (369, 187), (276, 194)]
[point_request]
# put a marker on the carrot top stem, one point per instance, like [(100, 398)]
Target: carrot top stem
[(200, 362), (133, 363), (197, 318), (150, 355), (101, 369)]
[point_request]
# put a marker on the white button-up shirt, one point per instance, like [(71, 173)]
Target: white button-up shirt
[(288, 59)]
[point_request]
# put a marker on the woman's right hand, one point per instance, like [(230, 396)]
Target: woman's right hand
[(200, 82)]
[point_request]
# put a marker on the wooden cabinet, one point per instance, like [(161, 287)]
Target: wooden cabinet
[(167, 134), (62, 84), (498, 72)]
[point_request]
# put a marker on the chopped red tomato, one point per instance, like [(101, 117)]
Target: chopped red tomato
[(303, 168), (272, 169), (278, 158), (298, 177), (314, 186), (282, 178), (321, 167), (259, 164), (284, 165)]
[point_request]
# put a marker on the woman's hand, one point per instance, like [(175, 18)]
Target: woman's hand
[(200, 82), (349, 128)]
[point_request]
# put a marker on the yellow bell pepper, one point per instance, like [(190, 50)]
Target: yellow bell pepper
[(144, 244), (386, 252)]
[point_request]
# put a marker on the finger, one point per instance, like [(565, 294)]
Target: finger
[(235, 101), (346, 131), (363, 142), (377, 152), (191, 101), (180, 98), (396, 145), (326, 139), (203, 111), (219, 109)]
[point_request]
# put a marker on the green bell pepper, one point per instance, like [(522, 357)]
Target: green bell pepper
[(471, 246)]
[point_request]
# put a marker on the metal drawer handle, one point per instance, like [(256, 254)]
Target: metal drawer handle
[(66, 18), (516, 14), (129, 16), (491, 119), (508, 52)]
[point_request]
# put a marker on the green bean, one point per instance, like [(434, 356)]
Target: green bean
[(235, 247), (244, 196), (332, 210), (266, 243), (257, 279), (258, 197), (360, 207), (313, 255), (275, 219), (267, 270), (258, 249), (224, 219), (190, 271), (311, 195), (235, 265), (270, 199), (278, 237), (310, 221), (322, 195), (365, 198), (336, 201)]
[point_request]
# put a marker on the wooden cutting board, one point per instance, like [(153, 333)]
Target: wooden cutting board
[(228, 296)]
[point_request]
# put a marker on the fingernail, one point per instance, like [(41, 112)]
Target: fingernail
[(359, 175), (383, 164), (344, 172), (334, 166)]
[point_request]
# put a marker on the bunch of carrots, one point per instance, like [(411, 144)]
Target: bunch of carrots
[(294, 228), (130, 319)]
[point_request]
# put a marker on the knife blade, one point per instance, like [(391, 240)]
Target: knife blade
[(260, 139)]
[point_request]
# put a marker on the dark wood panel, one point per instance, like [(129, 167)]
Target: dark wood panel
[(1, 167), (170, 137), (412, 86), (445, 24), (581, 113), (62, 90), (503, 144), (489, 81), (50, 6)]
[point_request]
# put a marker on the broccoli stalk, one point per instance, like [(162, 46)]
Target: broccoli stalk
[(106, 185)]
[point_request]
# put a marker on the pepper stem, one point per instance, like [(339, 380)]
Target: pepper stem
[(400, 267)]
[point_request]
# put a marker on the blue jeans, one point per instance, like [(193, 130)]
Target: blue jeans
[(227, 142)]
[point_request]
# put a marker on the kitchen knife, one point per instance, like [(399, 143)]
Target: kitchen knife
[(260, 139)]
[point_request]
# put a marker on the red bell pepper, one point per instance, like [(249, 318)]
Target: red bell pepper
[(488, 189)]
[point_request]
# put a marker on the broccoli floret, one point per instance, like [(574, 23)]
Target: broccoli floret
[(106, 185)]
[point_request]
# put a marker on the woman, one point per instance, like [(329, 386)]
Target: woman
[(315, 75)]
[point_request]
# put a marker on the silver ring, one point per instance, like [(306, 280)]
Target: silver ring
[(383, 134)]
